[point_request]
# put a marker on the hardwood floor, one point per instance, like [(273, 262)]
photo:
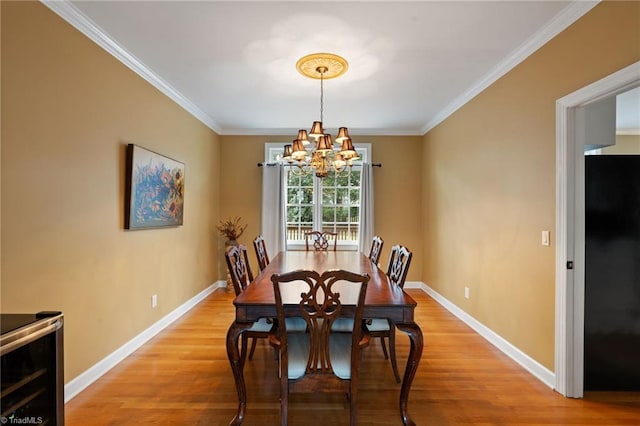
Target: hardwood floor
[(183, 377)]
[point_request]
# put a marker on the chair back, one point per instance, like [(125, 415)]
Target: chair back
[(399, 265), (238, 266), (321, 240), (376, 249), (261, 252), (319, 305)]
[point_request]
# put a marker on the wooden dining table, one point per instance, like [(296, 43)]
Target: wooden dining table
[(383, 300)]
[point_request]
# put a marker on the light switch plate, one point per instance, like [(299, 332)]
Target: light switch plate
[(545, 238)]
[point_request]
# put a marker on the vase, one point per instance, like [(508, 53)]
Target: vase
[(227, 244)]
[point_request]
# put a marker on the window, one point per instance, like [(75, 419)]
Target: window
[(329, 204)]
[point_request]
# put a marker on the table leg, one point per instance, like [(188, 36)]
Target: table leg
[(237, 366), (415, 353)]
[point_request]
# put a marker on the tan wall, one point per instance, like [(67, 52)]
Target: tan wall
[(68, 110), (397, 189), (0, 157), (489, 181), (625, 145)]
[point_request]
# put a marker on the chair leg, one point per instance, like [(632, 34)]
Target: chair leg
[(253, 347), (284, 400), (384, 347), (353, 399), (392, 349)]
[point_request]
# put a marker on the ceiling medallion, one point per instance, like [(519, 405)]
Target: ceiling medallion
[(310, 65)]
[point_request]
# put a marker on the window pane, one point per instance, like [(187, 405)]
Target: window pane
[(292, 195), (343, 180), (354, 214), (294, 233), (328, 195), (305, 195), (306, 215), (329, 228), (307, 180), (328, 214), (354, 229), (292, 180), (354, 196), (342, 214), (342, 195), (355, 177), (330, 180), (292, 214)]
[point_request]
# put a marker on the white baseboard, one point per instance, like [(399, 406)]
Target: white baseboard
[(542, 373), (78, 384)]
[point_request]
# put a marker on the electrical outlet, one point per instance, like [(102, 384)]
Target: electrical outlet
[(466, 292), (154, 300)]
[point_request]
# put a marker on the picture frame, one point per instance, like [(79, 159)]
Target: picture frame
[(154, 192)]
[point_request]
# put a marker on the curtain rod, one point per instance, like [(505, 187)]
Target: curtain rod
[(275, 164)]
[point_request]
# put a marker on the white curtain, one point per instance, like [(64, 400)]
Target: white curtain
[(273, 213), (366, 208)]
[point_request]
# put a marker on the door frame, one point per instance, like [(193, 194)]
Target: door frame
[(569, 310)]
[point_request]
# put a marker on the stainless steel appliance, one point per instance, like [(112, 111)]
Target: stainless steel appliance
[(31, 369)]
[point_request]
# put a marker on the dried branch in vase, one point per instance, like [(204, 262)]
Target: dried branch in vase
[(231, 229)]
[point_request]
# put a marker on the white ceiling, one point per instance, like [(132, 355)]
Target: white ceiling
[(232, 64)]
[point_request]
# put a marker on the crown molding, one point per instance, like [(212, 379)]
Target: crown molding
[(555, 26), (67, 11), (294, 131)]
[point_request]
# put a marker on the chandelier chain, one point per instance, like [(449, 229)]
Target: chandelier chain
[(321, 95)]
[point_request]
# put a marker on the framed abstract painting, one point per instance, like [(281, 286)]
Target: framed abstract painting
[(154, 193)]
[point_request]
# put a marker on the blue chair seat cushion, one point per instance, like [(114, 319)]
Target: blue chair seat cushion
[(342, 325), (261, 325), (345, 325), (298, 354), (378, 324), (295, 324)]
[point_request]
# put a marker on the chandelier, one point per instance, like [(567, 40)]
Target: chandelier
[(321, 156)]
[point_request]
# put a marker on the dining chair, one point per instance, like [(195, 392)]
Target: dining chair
[(383, 327), (241, 276), (376, 249), (319, 360), (261, 252), (321, 240)]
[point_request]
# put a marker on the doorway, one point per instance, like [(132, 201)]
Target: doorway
[(612, 272), (570, 227)]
